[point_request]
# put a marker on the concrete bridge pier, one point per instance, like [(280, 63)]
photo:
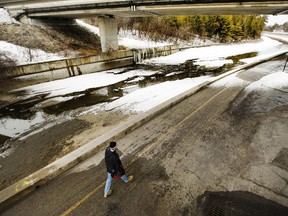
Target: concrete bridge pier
[(108, 33)]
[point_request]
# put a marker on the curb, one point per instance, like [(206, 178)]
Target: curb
[(40, 177)]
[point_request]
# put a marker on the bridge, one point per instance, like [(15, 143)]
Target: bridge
[(108, 11)]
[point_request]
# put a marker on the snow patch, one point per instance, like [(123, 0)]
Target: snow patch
[(214, 53), (144, 99), (13, 127), (23, 55), (133, 41), (82, 83), (91, 28), (278, 80), (229, 82), (5, 17)]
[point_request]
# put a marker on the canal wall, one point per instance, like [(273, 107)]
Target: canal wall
[(60, 69)]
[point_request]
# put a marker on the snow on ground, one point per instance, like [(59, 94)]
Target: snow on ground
[(91, 28), (81, 83), (5, 17), (283, 36), (267, 93), (229, 81), (143, 99), (278, 80), (132, 40), (213, 54), (12, 127), (137, 100), (23, 55), (128, 39), (149, 97)]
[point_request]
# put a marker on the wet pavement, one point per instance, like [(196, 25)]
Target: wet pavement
[(238, 203)]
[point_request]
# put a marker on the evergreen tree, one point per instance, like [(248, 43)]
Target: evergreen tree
[(222, 28), (237, 33), (212, 26), (225, 28)]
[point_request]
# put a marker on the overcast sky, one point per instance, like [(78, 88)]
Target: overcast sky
[(280, 19)]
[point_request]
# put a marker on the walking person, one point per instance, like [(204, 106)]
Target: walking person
[(114, 167)]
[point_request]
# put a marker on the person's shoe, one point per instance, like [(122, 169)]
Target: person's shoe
[(130, 178), (109, 193)]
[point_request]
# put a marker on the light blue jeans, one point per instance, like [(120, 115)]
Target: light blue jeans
[(109, 182)]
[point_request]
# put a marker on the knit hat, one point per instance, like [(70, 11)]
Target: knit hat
[(112, 146)]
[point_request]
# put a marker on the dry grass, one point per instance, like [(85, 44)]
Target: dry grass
[(52, 38)]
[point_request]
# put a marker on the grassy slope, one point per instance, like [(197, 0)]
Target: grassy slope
[(53, 39)]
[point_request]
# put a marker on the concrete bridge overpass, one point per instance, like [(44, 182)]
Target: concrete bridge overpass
[(140, 8), (107, 11)]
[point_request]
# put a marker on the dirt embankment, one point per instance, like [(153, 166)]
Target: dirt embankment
[(64, 39), (70, 40)]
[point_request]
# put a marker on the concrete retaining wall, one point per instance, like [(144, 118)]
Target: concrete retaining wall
[(53, 70), (59, 69), (147, 53)]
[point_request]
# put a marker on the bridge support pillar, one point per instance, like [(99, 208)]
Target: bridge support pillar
[(108, 34)]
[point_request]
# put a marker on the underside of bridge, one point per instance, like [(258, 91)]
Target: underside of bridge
[(107, 11)]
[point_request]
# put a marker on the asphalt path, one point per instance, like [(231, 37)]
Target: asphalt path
[(195, 146)]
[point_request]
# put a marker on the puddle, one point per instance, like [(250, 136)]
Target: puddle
[(26, 110), (85, 99)]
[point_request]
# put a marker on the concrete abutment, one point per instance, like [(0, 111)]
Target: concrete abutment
[(61, 69), (107, 28)]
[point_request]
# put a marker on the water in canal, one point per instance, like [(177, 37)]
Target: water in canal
[(32, 110)]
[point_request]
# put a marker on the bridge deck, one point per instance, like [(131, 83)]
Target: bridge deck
[(140, 8)]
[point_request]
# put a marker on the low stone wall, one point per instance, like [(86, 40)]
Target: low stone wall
[(53, 70)]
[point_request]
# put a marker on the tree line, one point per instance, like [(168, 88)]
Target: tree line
[(218, 28), (277, 27)]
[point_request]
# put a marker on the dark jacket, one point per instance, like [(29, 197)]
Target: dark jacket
[(113, 163)]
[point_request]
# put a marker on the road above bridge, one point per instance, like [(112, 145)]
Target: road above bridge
[(123, 8), (219, 139)]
